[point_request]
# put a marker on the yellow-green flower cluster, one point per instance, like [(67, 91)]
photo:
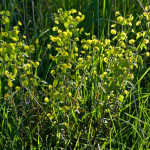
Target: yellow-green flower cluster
[(132, 41), (15, 55), (113, 31)]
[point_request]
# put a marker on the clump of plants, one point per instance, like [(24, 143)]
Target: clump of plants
[(92, 81), (19, 81), (93, 78)]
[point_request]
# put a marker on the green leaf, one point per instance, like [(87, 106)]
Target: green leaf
[(121, 98), (74, 117), (55, 83)]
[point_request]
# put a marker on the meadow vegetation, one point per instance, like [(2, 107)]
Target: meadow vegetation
[(74, 81)]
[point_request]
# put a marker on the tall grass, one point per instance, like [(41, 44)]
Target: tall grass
[(87, 120)]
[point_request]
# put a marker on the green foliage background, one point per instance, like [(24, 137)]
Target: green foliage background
[(49, 105)]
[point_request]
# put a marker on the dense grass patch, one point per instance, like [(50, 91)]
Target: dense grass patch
[(62, 87)]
